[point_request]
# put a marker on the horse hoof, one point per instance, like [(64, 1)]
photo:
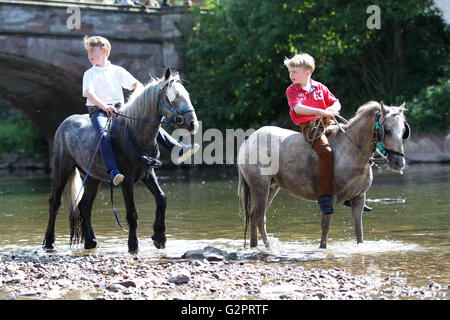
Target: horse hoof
[(159, 245), (48, 247), (159, 241), (133, 246), (133, 250), (90, 244)]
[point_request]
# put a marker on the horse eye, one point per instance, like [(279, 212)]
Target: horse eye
[(388, 132)]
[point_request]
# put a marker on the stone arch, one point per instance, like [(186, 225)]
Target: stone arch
[(42, 92)]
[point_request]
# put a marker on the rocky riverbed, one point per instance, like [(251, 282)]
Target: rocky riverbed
[(207, 273)]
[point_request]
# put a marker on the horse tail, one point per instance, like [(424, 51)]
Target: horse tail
[(74, 193), (245, 201)]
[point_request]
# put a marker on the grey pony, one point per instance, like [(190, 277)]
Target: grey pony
[(73, 148), (296, 170)]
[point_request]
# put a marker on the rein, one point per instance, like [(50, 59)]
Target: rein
[(139, 119), (311, 130), (371, 160), (380, 149), (176, 116)]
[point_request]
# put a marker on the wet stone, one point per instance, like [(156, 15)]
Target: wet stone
[(179, 277)]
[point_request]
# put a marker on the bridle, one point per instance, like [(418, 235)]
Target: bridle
[(176, 115), (379, 135)]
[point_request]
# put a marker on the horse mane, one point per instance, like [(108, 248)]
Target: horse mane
[(368, 109), (144, 100), (141, 102)]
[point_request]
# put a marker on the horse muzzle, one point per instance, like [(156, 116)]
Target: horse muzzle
[(187, 120), (396, 162)]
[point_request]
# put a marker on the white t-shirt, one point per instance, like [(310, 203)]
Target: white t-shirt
[(107, 83)]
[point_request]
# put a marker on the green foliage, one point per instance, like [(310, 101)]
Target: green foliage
[(429, 110), (18, 135), (234, 57)]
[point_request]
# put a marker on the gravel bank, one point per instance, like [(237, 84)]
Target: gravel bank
[(199, 276)]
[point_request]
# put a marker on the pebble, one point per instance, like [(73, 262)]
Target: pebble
[(55, 276), (116, 287), (179, 277), (8, 296)]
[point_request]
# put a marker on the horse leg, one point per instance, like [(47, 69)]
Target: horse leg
[(262, 220), (325, 225), (132, 216), (258, 217), (357, 210), (272, 193), (159, 228), (85, 206), (60, 177)]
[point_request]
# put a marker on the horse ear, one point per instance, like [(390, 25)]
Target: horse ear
[(403, 106), (167, 73), (407, 132), (383, 110)]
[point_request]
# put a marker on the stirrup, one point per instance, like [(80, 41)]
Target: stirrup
[(348, 204), (151, 162)]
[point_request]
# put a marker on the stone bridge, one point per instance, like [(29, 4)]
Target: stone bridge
[(42, 57)]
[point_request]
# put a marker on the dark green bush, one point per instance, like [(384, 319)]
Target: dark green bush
[(18, 135), (429, 110)]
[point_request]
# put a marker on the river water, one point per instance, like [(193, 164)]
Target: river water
[(408, 237)]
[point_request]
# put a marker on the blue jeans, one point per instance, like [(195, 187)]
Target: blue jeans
[(99, 120), (166, 140)]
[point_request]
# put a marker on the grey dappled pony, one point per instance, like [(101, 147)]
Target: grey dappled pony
[(134, 134), (296, 170)]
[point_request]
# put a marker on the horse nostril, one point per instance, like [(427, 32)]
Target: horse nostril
[(194, 125)]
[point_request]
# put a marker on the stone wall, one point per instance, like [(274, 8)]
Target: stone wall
[(42, 60), (426, 147)]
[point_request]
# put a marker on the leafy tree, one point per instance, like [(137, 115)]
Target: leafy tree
[(234, 56), (18, 135), (429, 110)]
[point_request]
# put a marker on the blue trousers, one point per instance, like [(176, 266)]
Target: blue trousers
[(99, 120), (166, 140)]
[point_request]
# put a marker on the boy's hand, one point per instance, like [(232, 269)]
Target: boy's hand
[(329, 113), (109, 110)]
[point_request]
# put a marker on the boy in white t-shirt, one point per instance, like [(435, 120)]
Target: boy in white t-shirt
[(102, 86)]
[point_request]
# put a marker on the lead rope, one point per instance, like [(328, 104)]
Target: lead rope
[(114, 209), (313, 129), (87, 174), (90, 165)]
